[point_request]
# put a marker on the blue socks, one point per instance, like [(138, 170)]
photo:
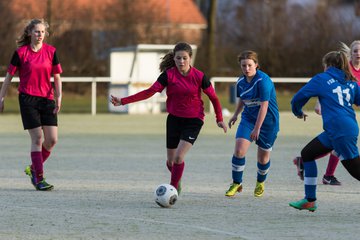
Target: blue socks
[(238, 166), (310, 180), (262, 171)]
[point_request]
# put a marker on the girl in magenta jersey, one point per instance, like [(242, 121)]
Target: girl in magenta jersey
[(183, 85), (353, 54), (35, 62)]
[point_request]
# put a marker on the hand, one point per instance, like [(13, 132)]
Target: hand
[(56, 109), (318, 107), (232, 121), (222, 125), (115, 101), (57, 105), (304, 116), (254, 135)]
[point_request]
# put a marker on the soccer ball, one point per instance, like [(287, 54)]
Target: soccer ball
[(165, 195)]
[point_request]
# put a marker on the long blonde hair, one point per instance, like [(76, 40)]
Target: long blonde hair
[(348, 50), (25, 38)]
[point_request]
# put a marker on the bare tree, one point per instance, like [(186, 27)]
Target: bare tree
[(206, 57), (7, 29), (290, 39), (211, 33)]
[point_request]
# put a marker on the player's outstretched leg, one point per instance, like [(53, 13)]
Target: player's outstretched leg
[(353, 167), (310, 180)]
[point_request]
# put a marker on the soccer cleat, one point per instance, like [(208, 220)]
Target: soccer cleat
[(259, 189), (331, 180), (28, 171), (234, 187), (304, 204), (300, 167), (44, 186)]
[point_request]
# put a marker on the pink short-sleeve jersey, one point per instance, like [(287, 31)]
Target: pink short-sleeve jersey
[(355, 73), (35, 70)]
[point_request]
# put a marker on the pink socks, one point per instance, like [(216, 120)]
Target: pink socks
[(176, 173), (332, 164), (37, 165)]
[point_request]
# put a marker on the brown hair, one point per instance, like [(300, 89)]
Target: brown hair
[(339, 60), (248, 54), (25, 39), (168, 60)]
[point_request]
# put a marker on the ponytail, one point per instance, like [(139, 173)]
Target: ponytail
[(339, 60), (167, 61), (345, 49)]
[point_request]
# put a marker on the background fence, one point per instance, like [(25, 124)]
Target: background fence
[(214, 81)]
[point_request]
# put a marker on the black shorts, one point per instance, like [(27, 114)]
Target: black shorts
[(37, 111), (186, 129)]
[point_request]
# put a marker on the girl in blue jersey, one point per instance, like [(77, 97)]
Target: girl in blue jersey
[(259, 121), (337, 90), (353, 54)]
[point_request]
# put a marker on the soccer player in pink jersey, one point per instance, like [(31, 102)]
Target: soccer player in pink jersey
[(35, 62), (183, 84), (353, 54)]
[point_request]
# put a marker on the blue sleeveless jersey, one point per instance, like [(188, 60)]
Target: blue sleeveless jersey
[(260, 89)]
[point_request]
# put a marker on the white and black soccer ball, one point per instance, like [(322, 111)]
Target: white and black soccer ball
[(165, 195)]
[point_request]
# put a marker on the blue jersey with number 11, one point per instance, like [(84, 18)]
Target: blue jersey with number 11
[(336, 96)]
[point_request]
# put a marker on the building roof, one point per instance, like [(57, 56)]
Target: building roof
[(159, 11), (179, 11)]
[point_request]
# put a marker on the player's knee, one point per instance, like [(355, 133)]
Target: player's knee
[(239, 153), (307, 155), (36, 140), (50, 143)]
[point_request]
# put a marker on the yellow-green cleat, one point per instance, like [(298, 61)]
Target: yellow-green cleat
[(28, 171), (234, 188), (259, 189)]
